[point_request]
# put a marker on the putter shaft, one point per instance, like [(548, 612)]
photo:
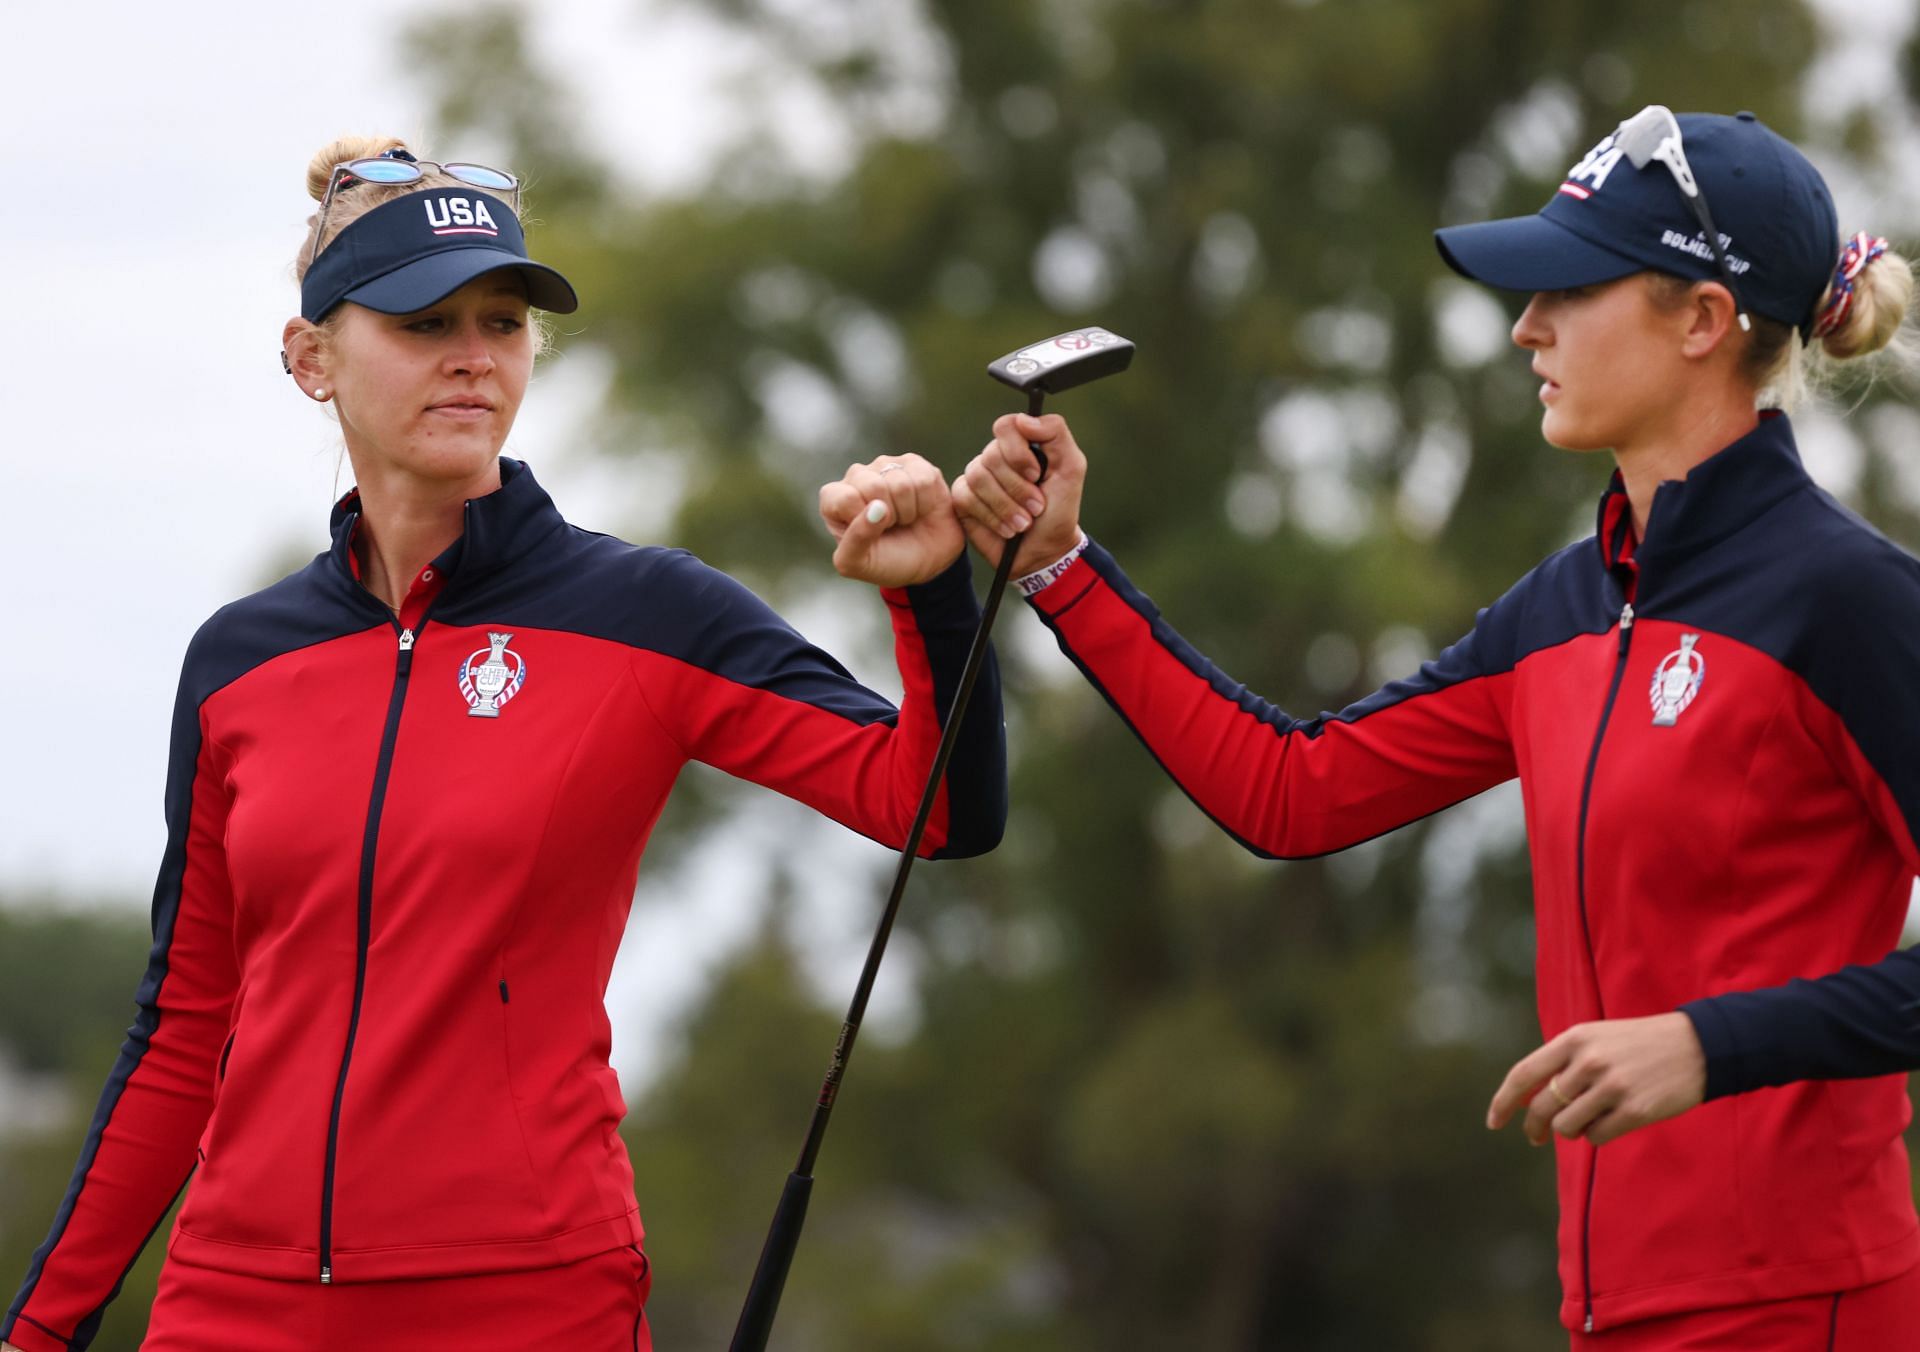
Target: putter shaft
[(783, 1237)]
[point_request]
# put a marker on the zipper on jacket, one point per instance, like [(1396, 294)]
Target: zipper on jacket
[(369, 840), (1586, 929)]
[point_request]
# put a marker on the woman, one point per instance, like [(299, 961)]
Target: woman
[(409, 792), (1709, 705)]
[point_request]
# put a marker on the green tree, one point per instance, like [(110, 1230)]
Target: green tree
[(1158, 1094), (66, 1001), (1154, 1093)]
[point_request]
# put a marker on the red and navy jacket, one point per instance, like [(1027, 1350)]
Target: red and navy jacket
[(400, 856), (1717, 736)]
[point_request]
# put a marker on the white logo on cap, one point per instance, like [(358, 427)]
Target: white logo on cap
[(1593, 167), (460, 216), (1696, 244)]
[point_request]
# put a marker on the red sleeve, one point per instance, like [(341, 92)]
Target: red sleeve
[(757, 700), (141, 1147), (1286, 787)]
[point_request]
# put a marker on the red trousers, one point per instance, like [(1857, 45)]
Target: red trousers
[(1882, 1318), (595, 1305)]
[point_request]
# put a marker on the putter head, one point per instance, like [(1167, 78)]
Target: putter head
[(1063, 361)]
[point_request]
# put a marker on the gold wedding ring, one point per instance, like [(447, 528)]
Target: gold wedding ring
[(1553, 1087)]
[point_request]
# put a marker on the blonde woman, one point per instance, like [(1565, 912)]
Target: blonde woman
[(409, 792), (1710, 707)]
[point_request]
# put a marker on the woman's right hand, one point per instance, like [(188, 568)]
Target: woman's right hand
[(1001, 494)]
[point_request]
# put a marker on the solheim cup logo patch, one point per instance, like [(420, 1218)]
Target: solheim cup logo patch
[(1676, 681), (491, 676)]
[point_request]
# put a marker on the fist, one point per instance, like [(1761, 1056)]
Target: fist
[(1001, 494), (892, 521)]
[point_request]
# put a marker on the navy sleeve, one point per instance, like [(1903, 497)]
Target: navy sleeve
[(1861, 658), (947, 614), (1854, 1023)]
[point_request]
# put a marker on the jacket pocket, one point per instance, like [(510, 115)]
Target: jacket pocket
[(507, 1017)]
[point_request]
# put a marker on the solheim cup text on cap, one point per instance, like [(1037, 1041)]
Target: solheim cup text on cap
[(1606, 219)]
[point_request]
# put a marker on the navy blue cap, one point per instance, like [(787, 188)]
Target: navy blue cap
[(408, 253), (1608, 219)]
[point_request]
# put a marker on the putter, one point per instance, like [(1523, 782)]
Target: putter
[(1059, 363)]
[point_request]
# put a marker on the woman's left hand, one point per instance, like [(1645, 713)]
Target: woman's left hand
[(893, 522), (1603, 1080)]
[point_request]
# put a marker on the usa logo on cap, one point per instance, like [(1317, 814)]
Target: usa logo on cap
[(1594, 167), (459, 216)]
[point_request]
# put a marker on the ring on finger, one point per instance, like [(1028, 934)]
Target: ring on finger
[(1553, 1087)]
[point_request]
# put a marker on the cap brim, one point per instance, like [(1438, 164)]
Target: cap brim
[(1529, 253), (420, 283)]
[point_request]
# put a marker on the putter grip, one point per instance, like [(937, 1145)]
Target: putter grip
[(770, 1278), (1037, 400)]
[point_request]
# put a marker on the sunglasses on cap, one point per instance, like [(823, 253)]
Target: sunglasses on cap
[(397, 166), (1652, 134)]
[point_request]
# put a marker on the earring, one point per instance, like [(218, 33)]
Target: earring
[(320, 394)]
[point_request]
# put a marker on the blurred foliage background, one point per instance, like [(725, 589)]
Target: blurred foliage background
[(1143, 1090)]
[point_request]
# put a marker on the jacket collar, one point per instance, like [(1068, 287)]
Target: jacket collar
[(500, 527), (1721, 494)]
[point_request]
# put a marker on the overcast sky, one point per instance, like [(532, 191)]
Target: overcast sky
[(157, 456)]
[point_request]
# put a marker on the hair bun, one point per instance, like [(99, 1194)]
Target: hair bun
[(1881, 294), (346, 148)]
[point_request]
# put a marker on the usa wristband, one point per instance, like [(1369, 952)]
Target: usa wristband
[(1035, 583)]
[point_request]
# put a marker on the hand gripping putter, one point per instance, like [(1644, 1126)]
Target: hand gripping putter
[(1044, 368)]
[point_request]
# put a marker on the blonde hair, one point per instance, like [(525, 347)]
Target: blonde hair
[(1784, 371), (348, 207)]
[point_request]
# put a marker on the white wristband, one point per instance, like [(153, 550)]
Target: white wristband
[(1035, 583)]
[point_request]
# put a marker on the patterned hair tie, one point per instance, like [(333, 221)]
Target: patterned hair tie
[(1861, 250)]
